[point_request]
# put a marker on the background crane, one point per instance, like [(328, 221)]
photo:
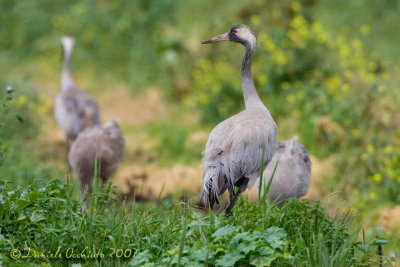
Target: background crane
[(74, 109), (293, 173), (102, 146)]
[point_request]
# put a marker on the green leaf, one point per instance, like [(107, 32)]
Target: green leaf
[(201, 255), (224, 232), (36, 216), (229, 259), (276, 237), (141, 258), (246, 248), (264, 258), (21, 203), (34, 195), (19, 118)]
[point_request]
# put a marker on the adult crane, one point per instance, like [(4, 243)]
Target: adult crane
[(74, 109), (234, 149)]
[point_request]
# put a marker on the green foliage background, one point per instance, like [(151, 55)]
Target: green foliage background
[(327, 70)]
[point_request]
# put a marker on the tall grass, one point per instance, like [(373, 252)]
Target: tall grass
[(45, 218)]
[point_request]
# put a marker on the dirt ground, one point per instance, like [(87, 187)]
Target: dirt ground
[(147, 179)]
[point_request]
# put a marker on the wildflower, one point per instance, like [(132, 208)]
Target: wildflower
[(388, 149), (263, 79), (355, 132), (276, 13), (21, 100), (381, 89), (296, 6), (296, 113), (364, 157), (370, 148), (316, 26), (365, 29), (377, 177), (2, 202), (372, 195), (345, 88), (285, 85), (290, 98), (393, 256), (255, 20), (355, 191)]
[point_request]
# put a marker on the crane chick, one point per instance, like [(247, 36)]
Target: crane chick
[(74, 109), (103, 146), (293, 173), (234, 149)]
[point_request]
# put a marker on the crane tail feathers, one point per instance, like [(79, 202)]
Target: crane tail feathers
[(210, 189)]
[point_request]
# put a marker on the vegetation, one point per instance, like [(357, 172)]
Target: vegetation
[(327, 71), (42, 216)]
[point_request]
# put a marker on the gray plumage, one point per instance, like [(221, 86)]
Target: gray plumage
[(101, 145), (233, 153), (293, 173), (74, 109)]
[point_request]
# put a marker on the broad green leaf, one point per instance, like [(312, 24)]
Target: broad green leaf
[(224, 232), (141, 258), (264, 258), (229, 259), (276, 237), (246, 247)]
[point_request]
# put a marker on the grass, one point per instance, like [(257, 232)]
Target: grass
[(44, 218)]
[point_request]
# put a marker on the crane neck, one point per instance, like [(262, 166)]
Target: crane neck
[(251, 98), (67, 81)]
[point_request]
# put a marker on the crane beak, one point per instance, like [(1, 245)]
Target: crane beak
[(222, 37)]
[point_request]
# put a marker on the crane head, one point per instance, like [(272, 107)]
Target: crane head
[(240, 33), (67, 43)]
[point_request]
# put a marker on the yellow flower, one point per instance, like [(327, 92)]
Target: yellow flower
[(262, 80), (203, 99), (290, 98), (296, 6), (280, 57), (296, 113), (285, 85), (21, 100), (356, 43), (276, 13), (300, 95), (386, 75), (322, 37), (370, 148), (348, 74), (355, 132), (316, 26), (355, 191), (365, 30), (255, 20), (377, 177), (345, 88), (381, 89), (372, 195), (388, 149), (344, 50)]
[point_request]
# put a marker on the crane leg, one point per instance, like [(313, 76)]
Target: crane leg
[(233, 197), (67, 147), (242, 185)]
